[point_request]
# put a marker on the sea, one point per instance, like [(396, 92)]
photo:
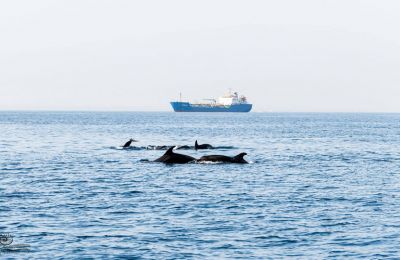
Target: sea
[(317, 186)]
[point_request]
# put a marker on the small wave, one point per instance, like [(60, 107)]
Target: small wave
[(157, 147), (269, 237), (336, 224), (122, 212), (319, 233), (224, 147), (133, 192), (221, 162), (116, 148), (135, 148), (358, 243), (111, 161), (196, 162), (85, 237), (208, 162)]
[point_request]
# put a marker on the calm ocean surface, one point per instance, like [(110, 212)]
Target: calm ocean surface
[(318, 186)]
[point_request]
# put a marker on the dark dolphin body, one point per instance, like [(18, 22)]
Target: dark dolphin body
[(222, 158), (202, 146), (127, 144), (184, 147), (171, 157)]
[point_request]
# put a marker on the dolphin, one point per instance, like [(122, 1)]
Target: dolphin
[(222, 158), (202, 146), (183, 147), (171, 157), (127, 144)]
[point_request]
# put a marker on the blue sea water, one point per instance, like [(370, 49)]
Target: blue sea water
[(317, 186)]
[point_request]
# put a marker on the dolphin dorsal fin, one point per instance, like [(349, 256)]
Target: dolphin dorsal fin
[(240, 156), (169, 151)]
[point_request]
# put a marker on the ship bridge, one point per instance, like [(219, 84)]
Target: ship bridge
[(232, 99)]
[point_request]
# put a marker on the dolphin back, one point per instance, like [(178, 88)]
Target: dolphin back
[(171, 157), (239, 158)]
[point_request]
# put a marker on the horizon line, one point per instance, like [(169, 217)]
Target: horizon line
[(168, 111)]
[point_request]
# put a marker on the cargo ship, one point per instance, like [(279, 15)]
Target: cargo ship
[(228, 103)]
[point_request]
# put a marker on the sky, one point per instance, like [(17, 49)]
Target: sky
[(285, 56)]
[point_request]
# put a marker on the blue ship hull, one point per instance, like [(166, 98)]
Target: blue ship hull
[(188, 107)]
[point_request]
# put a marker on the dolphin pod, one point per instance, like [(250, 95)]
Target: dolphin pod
[(170, 157), (166, 147), (197, 146)]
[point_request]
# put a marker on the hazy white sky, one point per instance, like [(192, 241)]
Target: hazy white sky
[(286, 55)]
